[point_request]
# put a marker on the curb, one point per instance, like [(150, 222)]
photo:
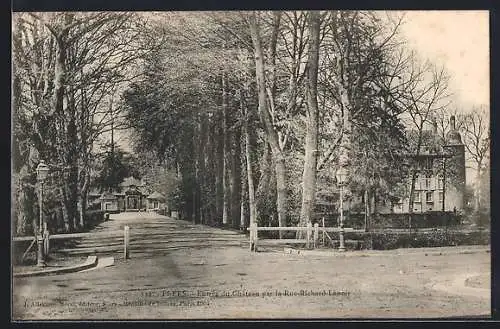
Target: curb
[(458, 287), (427, 252), (89, 263)]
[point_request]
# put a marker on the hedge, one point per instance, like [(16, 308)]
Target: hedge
[(419, 220), (435, 238), (93, 218)]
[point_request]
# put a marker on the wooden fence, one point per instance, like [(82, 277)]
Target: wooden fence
[(47, 237), (311, 239)]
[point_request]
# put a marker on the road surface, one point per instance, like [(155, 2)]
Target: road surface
[(182, 271)]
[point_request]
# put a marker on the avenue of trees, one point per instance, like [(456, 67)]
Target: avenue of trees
[(243, 116)]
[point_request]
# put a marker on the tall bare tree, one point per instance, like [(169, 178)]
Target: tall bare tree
[(424, 93), (266, 119), (476, 138), (311, 139)]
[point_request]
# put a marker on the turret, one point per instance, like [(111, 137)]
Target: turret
[(453, 137), (455, 169)]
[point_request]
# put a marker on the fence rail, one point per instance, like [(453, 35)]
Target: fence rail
[(302, 228), (70, 236), (312, 234), (47, 237)]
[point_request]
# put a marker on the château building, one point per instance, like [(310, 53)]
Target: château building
[(440, 183)]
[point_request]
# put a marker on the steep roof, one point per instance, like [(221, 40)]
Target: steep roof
[(131, 181), (133, 190), (156, 196), (108, 196)]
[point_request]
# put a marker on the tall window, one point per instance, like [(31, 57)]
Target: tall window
[(441, 196), (416, 196), (440, 182), (427, 182), (429, 197), (428, 164)]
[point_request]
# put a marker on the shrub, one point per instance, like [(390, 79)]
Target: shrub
[(436, 238), (92, 218), (419, 220)]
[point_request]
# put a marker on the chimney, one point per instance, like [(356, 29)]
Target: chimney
[(452, 122)]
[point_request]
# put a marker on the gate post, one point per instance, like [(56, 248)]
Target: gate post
[(126, 241), (316, 235), (308, 235), (46, 243)]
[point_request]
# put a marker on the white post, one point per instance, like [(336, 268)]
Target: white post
[(126, 241), (46, 245), (316, 235), (323, 220), (309, 233)]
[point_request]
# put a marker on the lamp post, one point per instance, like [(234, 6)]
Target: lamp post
[(341, 177), (42, 170)]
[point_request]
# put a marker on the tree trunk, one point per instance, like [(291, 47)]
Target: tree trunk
[(80, 211), (236, 179), (203, 132), (252, 205), (225, 156), (477, 199), (218, 170), (243, 199), (84, 190), (66, 220), (367, 209), (279, 159), (59, 75), (311, 142)]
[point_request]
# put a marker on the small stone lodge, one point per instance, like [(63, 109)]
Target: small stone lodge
[(132, 195)]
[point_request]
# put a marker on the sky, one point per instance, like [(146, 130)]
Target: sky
[(459, 40)]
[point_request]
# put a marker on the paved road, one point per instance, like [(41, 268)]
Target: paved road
[(178, 271)]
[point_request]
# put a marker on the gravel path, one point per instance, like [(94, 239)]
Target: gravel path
[(207, 278)]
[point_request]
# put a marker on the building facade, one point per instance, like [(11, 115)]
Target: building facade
[(440, 181)]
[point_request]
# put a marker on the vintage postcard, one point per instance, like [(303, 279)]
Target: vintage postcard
[(217, 165)]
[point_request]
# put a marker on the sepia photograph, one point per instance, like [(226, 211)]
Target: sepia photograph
[(244, 165)]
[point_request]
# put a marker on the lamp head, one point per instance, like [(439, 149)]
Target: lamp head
[(42, 171), (341, 175)]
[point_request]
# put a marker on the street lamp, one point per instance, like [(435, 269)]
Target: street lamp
[(42, 170), (341, 179)]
